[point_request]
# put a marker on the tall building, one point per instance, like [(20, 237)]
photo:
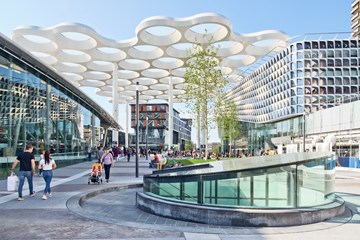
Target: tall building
[(305, 78), (355, 18), (154, 129), (41, 108)]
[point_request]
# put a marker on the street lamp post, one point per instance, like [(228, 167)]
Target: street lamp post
[(137, 132), (146, 140)]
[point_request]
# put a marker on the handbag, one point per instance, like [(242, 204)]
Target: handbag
[(12, 182)]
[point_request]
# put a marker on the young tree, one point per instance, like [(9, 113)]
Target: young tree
[(204, 83), (228, 122), (216, 149), (189, 145)]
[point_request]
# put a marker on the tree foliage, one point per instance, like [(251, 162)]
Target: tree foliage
[(189, 145), (227, 121), (216, 149), (204, 85)]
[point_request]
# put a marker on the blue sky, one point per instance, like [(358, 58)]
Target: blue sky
[(117, 19)]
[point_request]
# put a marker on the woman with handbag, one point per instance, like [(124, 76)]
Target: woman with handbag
[(108, 160), (47, 164)]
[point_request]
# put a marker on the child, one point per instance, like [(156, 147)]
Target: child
[(95, 171)]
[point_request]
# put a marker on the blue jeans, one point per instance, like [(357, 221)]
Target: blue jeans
[(47, 175), (22, 176)]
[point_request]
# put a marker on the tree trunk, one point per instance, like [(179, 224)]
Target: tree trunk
[(230, 150), (198, 128), (206, 143)]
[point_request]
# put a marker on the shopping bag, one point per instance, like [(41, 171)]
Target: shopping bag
[(12, 182)]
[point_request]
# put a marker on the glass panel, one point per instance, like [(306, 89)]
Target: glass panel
[(313, 182), (286, 186), (190, 191)]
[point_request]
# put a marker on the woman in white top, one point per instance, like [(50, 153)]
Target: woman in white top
[(47, 165)]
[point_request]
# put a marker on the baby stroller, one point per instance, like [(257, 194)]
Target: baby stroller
[(95, 175)]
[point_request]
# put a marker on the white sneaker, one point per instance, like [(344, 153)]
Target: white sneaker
[(49, 195), (44, 197)]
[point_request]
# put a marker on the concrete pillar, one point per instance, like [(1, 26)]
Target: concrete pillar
[(115, 97), (48, 117), (93, 136), (170, 143)]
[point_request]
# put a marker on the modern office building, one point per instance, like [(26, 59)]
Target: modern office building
[(40, 107), (296, 84), (153, 126), (355, 18)]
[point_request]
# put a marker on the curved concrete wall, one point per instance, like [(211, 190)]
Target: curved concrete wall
[(239, 216)]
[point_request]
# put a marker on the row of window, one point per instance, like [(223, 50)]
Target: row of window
[(327, 44), (354, 62)]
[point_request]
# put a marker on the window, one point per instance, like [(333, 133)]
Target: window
[(354, 72), (330, 72), (354, 81), (338, 72), (337, 44), (322, 54), (299, 46), (338, 53), (330, 53), (301, 74), (330, 44), (338, 62), (353, 62), (353, 53), (314, 54), (353, 43), (322, 44)]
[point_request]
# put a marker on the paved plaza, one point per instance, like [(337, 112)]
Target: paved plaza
[(107, 211)]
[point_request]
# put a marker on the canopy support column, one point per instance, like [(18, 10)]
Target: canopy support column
[(126, 124), (170, 140), (115, 98)]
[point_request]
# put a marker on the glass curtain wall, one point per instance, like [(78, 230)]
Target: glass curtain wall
[(35, 112), (258, 134)]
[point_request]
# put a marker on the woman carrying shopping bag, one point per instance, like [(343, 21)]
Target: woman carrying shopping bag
[(47, 164)]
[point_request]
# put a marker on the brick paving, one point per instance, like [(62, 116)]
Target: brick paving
[(107, 211)]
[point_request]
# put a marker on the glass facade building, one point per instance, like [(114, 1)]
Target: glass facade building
[(41, 108), (306, 77)]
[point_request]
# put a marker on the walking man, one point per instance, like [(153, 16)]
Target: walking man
[(89, 153), (27, 170)]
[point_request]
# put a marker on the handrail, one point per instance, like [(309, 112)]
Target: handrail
[(183, 168)]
